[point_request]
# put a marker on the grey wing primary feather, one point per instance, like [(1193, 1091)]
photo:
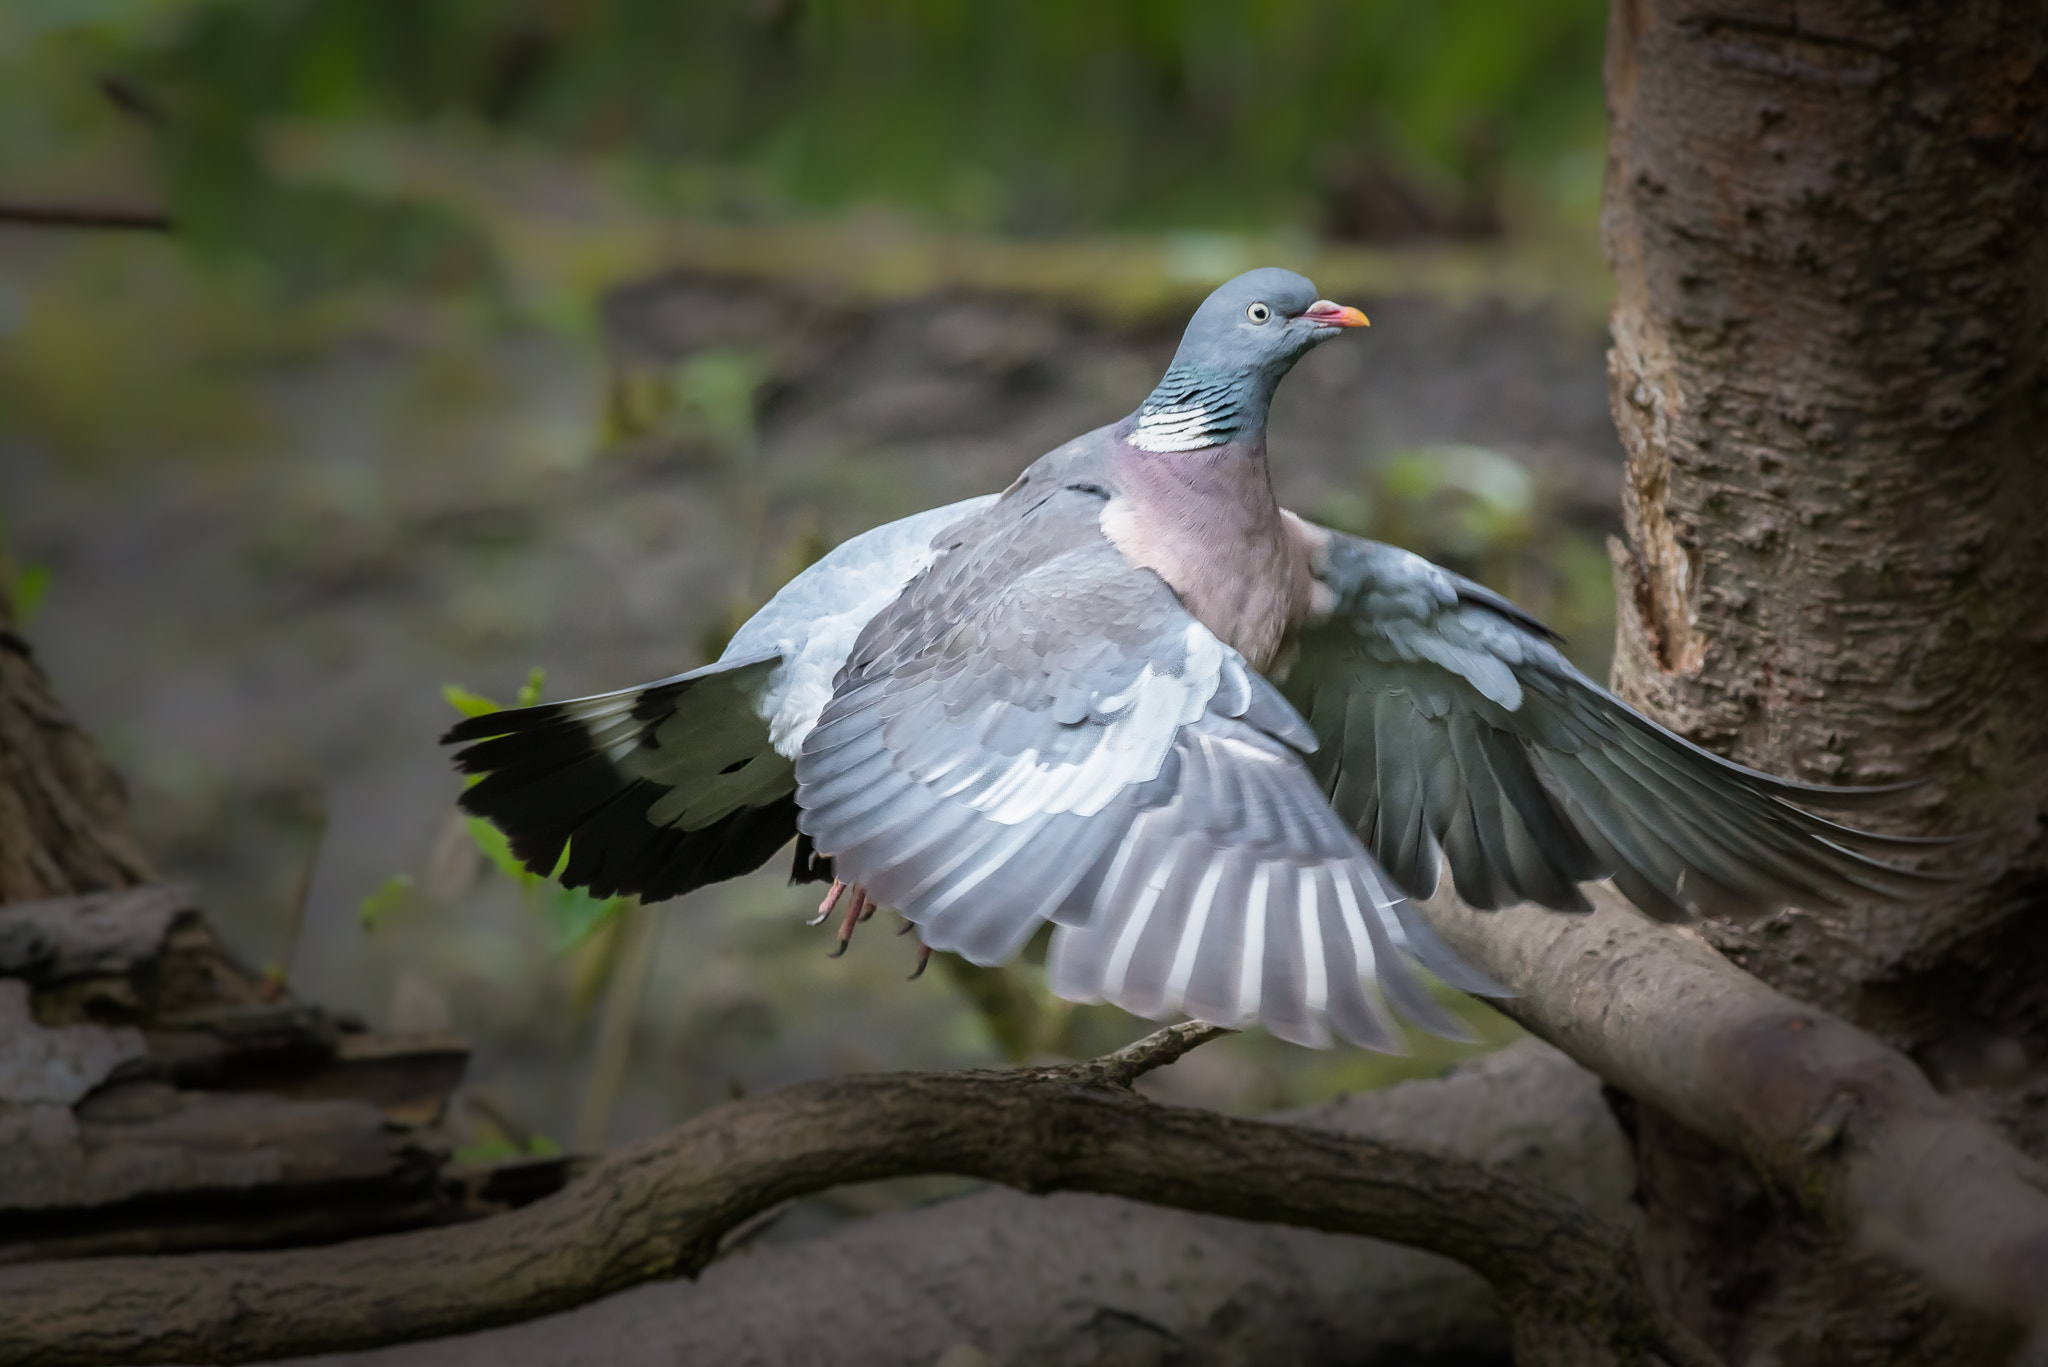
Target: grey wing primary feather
[(1454, 733), (1037, 730)]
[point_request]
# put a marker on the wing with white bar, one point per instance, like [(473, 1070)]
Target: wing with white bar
[(1038, 730)]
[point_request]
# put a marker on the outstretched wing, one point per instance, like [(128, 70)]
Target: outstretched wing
[(663, 788), (1451, 726), (1036, 729), (654, 790)]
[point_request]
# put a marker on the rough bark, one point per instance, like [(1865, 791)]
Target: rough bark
[(1027, 1281), (64, 823), (157, 1096), (1905, 1192), (1566, 1280), (1830, 373)]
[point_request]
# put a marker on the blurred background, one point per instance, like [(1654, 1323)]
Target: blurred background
[(378, 359)]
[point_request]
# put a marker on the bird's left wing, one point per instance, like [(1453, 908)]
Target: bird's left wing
[(1037, 729), (1452, 728)]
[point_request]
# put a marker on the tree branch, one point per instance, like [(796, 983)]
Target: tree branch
[(86, 216), (1835, 1120), (1568, 1282), (1073, 1277)]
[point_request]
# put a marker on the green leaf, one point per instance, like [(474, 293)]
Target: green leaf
[(496, 848), (575, 915), (477, 705), (529, 692), (392, 896), (29, 587), (467, 703), (489, 1151), (572, 914), (721, 385), (501, 1150)]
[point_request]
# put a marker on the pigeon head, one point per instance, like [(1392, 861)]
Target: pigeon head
[(1239, 345)]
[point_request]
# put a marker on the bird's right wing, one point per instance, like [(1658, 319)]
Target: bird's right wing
[(1452, 727)]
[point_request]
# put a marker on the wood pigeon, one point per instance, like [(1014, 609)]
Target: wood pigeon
[(1217, 746)]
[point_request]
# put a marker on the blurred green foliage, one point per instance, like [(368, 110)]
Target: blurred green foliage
[(526, 154), (392, 897), (31, 582), (22, 587), (707, 400), (497, 1137), (573, 916), (492, 1151), (1054, 116)]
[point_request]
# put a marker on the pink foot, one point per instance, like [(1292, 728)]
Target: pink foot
[(825, 907), (858, 909), (861, 907)]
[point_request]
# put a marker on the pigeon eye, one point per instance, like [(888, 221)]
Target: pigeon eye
[(1258, 313)]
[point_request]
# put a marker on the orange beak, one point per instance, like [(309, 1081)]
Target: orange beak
[(1325, 314)]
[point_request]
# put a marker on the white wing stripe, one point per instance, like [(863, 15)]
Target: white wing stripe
[(1361, 949), (1134, 927), (1148, 715), (1354, 922), (1191, 934), (995, 854), (1116, 868), (974, 772), (1385, 907), (970, 847), (1318, 976), (1254, 946), (1022, 771)]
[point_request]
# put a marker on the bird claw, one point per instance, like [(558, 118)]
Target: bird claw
[(858, 909), (825, 907)]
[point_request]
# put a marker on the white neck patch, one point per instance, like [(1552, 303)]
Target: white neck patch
[(1176, 429)]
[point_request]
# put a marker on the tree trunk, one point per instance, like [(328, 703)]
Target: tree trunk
[(64, 824), (1830, 372), (156, 1094)]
